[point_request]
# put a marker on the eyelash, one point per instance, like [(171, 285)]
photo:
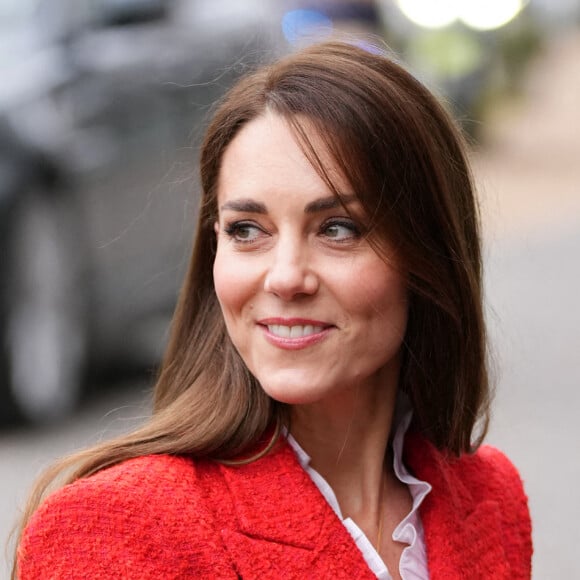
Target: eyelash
[(345, 223), (232, 229)]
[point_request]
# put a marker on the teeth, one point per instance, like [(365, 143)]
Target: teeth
[(297, 331)]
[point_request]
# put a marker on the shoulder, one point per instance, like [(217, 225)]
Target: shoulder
[(477, 491), (492, 480), (146, 475), (487, 472), (143, 481), (139, 518)]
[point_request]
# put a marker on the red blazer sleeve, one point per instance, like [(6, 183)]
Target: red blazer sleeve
[(506, 486), (140, 519)]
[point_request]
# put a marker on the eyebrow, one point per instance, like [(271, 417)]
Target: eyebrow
[(330, 202), (322, 204), (245, 205)]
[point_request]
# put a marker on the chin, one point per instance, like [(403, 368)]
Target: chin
[(296, 392), (294, 395)]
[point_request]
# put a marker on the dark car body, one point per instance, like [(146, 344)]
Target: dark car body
[(102, 103)]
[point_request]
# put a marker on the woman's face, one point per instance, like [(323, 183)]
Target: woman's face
[(310, 306)]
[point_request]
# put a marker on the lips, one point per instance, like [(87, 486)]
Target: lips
[(294, 333)]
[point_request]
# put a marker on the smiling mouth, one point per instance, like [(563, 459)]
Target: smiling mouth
[(294, 331)]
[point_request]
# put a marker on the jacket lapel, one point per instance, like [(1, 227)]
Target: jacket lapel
[(283, 527), (463, 536)]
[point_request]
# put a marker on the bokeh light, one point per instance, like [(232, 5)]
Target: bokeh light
[(430, 14), (489, 14), (477, 14)]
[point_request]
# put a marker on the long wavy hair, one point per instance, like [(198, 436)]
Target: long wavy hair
[(406, 160)]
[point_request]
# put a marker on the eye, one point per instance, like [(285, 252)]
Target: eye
[(243, 232), (340, 230)]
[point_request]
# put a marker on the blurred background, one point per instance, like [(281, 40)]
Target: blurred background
[(102, 104)]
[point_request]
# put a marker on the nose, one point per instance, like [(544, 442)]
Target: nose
[(290, 272)]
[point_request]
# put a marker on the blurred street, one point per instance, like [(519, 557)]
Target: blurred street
[(529, 176), (528, 171)]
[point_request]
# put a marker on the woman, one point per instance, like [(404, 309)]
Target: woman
[(315, 412)]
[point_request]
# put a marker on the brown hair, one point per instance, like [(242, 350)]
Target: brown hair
[(406, 161)]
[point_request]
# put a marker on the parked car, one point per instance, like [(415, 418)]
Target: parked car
[(101, 106)]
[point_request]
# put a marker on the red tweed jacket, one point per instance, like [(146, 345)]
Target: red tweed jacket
[(164, 517)]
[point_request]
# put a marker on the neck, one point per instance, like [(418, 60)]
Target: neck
[(347, 440)]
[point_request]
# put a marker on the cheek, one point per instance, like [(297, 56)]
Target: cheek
[(233, 282), (224, 288), (382, 297)]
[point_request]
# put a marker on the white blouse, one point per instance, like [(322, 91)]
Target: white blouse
[(413, 563)]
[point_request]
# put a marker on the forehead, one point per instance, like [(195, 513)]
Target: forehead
[(267, 155)]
